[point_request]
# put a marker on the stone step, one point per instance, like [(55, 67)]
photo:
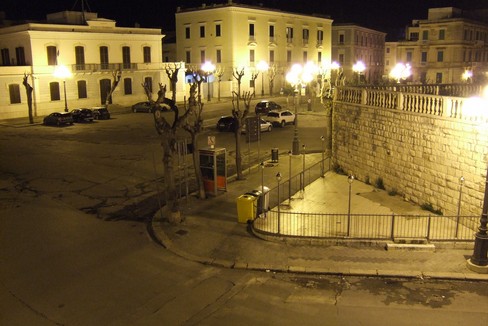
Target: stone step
[(410, 241), (411, 246)]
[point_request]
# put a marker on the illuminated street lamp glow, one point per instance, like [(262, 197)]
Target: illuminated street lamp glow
[(359, 67), (209, 69), (401, 71), (262, 67), (467, 75), (62, 72), (297, 76)]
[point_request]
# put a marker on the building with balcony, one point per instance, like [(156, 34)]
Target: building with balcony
[(239, 36), (92, 49), (352, 43), (441, 48)]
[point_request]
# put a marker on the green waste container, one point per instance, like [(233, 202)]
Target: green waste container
[(246, 208)]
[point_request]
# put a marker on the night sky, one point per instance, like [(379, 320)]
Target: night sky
[(379, 14)]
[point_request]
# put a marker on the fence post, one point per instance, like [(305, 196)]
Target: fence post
[(392, 227), (428, 228)]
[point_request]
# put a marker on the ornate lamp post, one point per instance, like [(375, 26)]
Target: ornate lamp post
[(62, 72), (401, 71), (262, 67), (209, 69), (297, 77), (479, 261), (359, 67)]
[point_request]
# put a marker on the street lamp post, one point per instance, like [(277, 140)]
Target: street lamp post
[(350, 180), (297, 77), (303, 168), (479, 260), (289, 176), (209, 69), (322, 138), (61, 71), (262, 67), (278, 179), (359, 67)]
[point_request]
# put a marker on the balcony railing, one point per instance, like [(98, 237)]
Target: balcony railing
[(94, 67)]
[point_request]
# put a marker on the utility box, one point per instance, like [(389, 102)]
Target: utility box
[(246, 208), (262, 196)]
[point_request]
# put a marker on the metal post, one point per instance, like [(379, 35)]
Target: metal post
[(289, 182), (296, 142), (262, 83), (278, 178), (65, 98), (350, 179), (322, 138), (303, 168), (208, 88), (461, 182)]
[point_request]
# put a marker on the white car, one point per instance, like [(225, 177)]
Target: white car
[(281, 118), (265, 126)]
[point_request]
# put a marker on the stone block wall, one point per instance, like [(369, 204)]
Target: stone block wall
[(418, 156)]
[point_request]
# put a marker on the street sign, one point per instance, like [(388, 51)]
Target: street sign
[(211, 141)]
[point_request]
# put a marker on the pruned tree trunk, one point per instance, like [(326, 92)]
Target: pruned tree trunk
[(116, 76), (28, 90)]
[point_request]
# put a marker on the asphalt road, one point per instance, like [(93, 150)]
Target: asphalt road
[(74, 247)]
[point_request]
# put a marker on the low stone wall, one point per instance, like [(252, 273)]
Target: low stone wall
[(419, 156)]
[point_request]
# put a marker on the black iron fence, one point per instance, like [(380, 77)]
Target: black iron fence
[(279, 221), (367, 226)]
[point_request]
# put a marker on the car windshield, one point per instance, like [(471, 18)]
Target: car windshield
[(273, 114)]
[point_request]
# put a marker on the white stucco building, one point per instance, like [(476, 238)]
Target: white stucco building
[(239, 36), (91, 48)]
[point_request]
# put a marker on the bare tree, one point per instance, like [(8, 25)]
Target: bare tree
[(116, 75), (271, 77), (239, 117), (219, 72), (254, 76), (172, 73), (194, 125), (168, 121), (28, 90)]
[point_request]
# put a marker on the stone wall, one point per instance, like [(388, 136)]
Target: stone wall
[(418, 156)]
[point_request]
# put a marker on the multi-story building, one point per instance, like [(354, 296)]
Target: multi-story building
[(239, 36), (91, 48), (352, 43), (441, 48)]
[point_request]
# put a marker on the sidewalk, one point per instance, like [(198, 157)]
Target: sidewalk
[(210, 234)]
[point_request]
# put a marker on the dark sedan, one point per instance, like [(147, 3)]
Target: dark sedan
[(142, 107), (226, 123), (58, 119), (101, 113), (82, 115)]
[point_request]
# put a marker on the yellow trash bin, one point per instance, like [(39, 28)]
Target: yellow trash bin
[(246, 208)]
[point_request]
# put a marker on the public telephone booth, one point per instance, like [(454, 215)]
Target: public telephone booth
[(214, 170)]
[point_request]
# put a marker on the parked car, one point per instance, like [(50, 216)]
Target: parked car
[(101, 113), (264, 107), (142, 107), (226, 123), (58, 119), (82, 115), (265, 126), (281, 118)]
